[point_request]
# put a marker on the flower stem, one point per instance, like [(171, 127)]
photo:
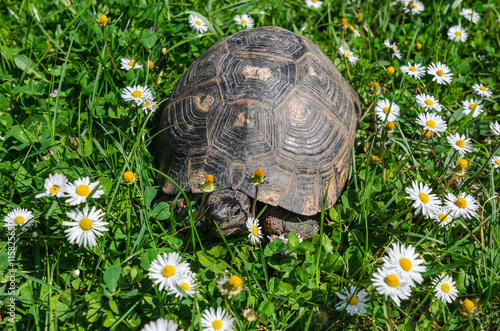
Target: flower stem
[(255, 201), (133, 203)]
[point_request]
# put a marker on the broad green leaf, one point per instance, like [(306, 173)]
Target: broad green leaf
[(111, 276)]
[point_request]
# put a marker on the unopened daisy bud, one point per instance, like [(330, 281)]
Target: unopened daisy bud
[(390, 70), (102, 21), (389, 127), (419, 46), (374, 158), (151, 65), (250, 314), (359, 16), (257, 177), (344, 23), (208, 186), (164, 51), (129, 177), (468, 307), (75, 274)]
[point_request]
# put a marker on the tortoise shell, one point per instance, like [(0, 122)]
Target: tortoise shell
[(262, 98)]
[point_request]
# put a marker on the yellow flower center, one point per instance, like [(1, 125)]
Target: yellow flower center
[(412, 68), (352, 300), (184, 286), (461, 143), (343, 21), (350, 26), (86, 224), (391, 70), (132, 63), (392, 280), (82, 190), (390, 125), (103, 19), (259, 172), (235, 282), (255, 230), (209, 178), (497, 162), (54, 189), (427, 133), (217, 325), (445, 288), (423, 197), (128, 176), (387, 110), (375, 85), (462, 163), (440, 72), (405, 264), (168, 271), (137, 94), (429, 102), (197, 22), (19, 220), (470, 14), (151, 64), (348, 54), (461, 203), (472, 106), (375, 158), (415, 6), (482, 88), (467, 304), (146, 104), (431, 124), (419, 46), (443, 217), (458, 33), (244, 21)]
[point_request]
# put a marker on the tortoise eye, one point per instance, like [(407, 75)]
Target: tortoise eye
[(237, 212)]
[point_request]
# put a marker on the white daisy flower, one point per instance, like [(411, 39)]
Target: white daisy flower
[(244, 20), (187, 283), (495, 161), (414, 7), (390, 283), (394, 48), (197, 24), (428, 102), (88, 225), (255, 230), (161, 325), (470, 15), (168, 269), (482, 90), (81, 190), (54, 185), (445, 289), (387, 110), (443, 218), (424, 199), (137, 93), (217, 320), (23, 218), (314, 3), (460, 144), (416, 71), (353, 59), (441, 73), (352, 300), (432, 122), (129, 64), (495, 128), (463, 205), (406, 261), (149, 106), (457, 34), (473, 105)]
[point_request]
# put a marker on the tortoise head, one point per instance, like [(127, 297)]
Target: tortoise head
[(230, 210)]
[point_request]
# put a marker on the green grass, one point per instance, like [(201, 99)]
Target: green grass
[(89, 130)]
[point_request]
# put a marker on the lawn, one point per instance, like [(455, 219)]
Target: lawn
[(90, 241)]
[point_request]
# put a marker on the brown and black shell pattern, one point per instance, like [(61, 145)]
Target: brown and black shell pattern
[(262, 98)]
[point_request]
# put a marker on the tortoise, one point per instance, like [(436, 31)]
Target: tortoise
[(262, 98)]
